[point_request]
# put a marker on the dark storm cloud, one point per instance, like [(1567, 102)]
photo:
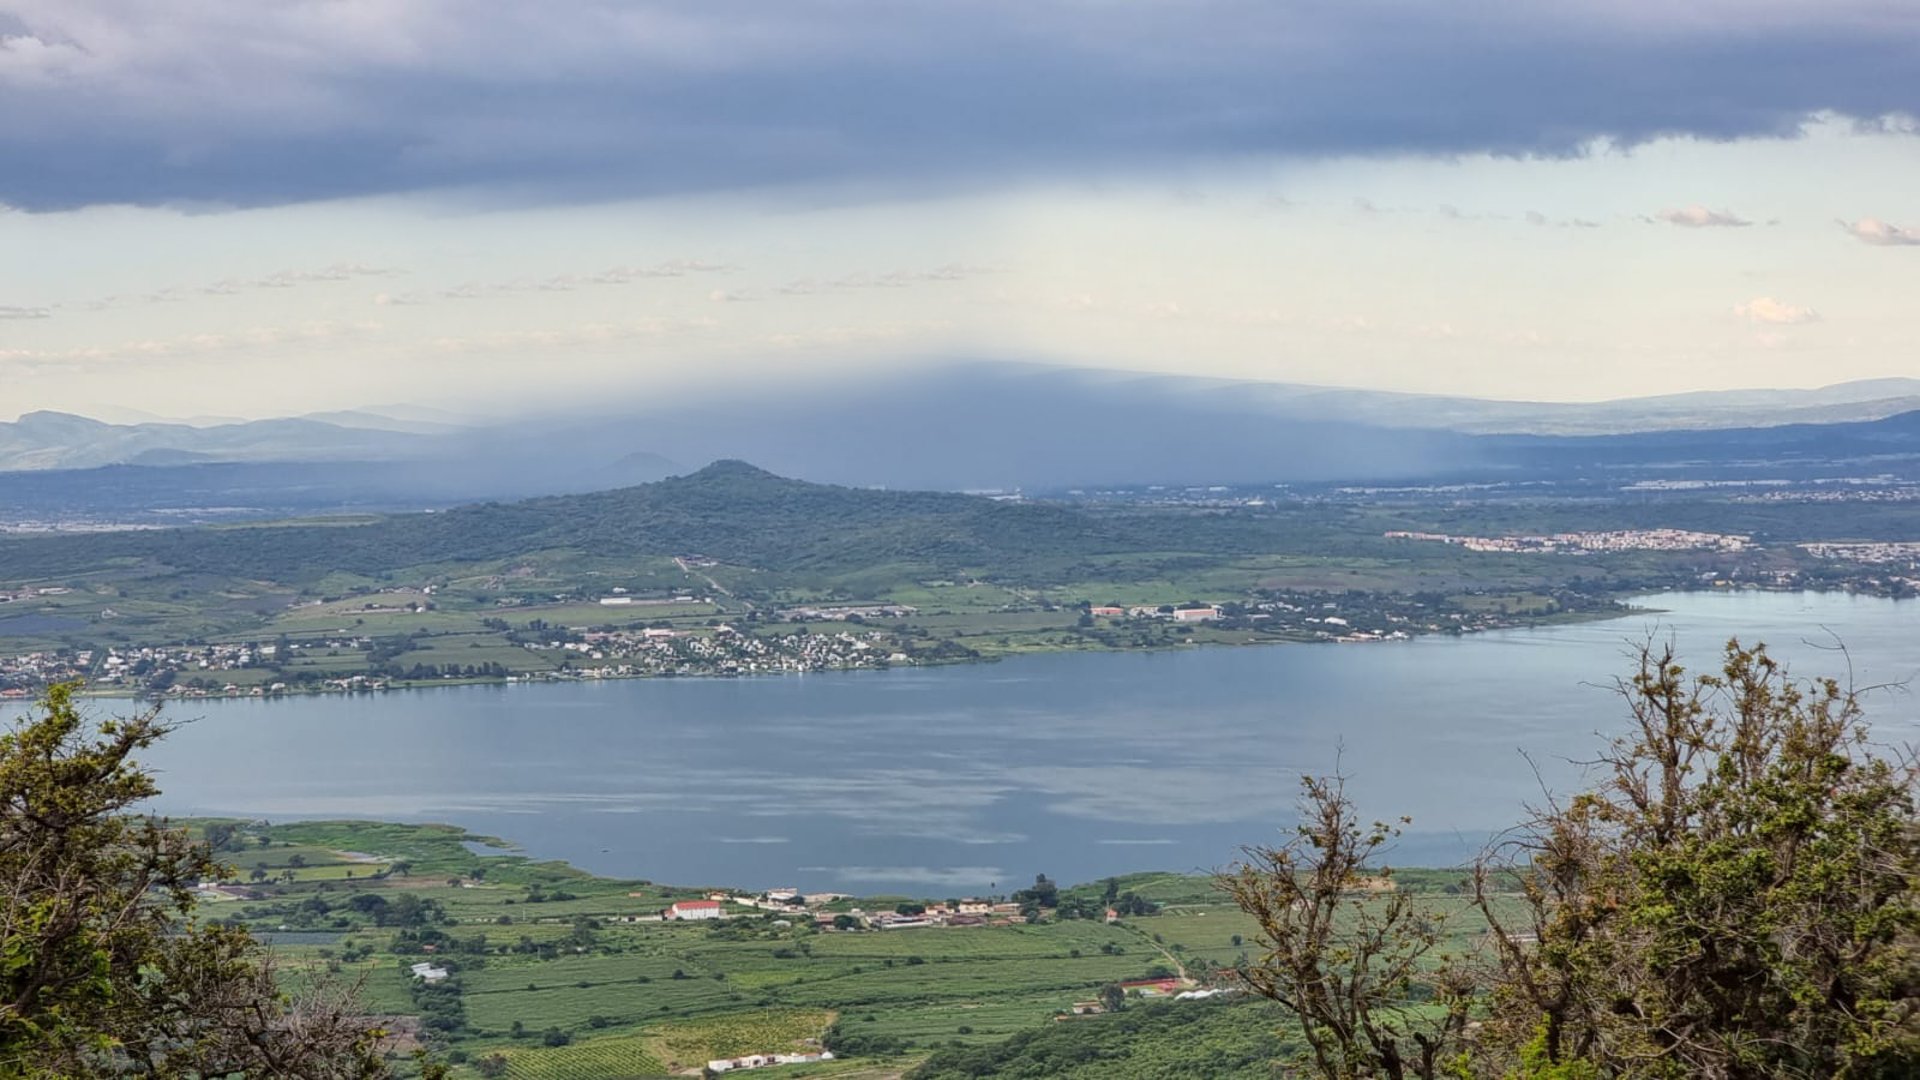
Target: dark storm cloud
[(289, 100)]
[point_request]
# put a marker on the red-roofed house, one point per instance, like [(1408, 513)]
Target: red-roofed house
[(694, 909)]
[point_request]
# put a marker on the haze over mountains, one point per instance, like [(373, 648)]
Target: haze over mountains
[(966, 427)]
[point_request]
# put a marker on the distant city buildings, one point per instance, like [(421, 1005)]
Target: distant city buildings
[(1581, 543), (1878, 553)]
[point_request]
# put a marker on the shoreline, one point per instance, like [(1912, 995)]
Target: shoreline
[(1628, 610), (981, 659)]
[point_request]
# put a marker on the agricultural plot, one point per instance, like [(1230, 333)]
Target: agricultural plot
[(763, 1031), (595, 1059), (544, 967)]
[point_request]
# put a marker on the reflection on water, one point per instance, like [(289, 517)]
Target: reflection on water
[(953, 779)]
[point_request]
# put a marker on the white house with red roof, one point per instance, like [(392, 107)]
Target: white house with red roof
[(694, 909)]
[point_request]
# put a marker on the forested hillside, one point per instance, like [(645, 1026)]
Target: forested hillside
[(729, 511)]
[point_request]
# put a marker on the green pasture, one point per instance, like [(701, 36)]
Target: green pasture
[(536, 948)]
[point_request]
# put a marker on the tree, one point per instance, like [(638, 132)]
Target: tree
[(1113, 998), (1343, 960), (1044, 893), (1735, 898), (102, 967)]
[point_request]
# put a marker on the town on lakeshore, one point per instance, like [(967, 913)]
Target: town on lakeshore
[(1266, 567), (816, 638)]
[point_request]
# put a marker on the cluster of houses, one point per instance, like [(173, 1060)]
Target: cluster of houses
[(842, 612), (761, 1061), (122, 666), (1905, 552), (1174, 988), (21, 675), (968, 912), (1588, 542), (726, 651), (1190, 613), (14, 596), (621, 598)]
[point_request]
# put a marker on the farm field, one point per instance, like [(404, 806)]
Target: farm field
[(570, 587), (553, 973)]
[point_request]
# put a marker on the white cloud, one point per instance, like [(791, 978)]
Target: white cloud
[(1535, 217), (892, 279), (571, 336), (1765, 309), (10, 312), (1881, 233), (287, 279), (1699, 217), (27, 60), (191, 345), (613, 275), (278, 279)]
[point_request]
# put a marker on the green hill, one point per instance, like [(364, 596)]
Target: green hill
[(729, 511)]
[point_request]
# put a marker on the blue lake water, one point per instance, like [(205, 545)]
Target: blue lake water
[(949, 780)]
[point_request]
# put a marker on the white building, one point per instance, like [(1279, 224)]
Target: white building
[(761, 1061), (694, 909)]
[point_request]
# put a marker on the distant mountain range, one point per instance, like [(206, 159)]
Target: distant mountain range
[(52, 440), (969, 427), (1867, 399)]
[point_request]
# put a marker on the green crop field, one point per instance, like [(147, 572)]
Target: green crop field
[(549, 970), (615, 1056), (453, 597)]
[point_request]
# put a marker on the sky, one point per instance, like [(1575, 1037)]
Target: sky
[(283, 206)]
